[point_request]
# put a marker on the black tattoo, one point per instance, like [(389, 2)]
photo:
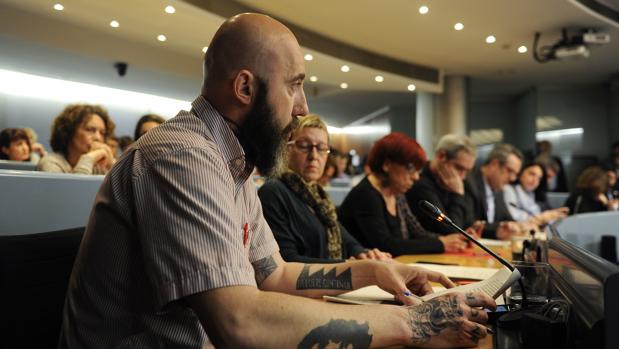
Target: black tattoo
[(474, 313), (476, 333), (328, 281), (434, 316), (263, 268), (470, 297), (341, 334)]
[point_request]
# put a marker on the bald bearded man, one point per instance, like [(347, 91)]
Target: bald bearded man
[(177, 253)]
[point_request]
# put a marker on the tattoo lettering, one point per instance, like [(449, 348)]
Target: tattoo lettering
[(432, 317), (341, 334), (263, 268), (328, 281), (470, 297)]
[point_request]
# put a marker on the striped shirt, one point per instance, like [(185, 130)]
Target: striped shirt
[(169, 221)]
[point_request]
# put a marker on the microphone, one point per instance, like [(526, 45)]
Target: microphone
[(436, 214), (531, 214)]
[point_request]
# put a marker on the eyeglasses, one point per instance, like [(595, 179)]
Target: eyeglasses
[(307, 147)]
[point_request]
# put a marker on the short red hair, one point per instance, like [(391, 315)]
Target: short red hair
[(396, 147)]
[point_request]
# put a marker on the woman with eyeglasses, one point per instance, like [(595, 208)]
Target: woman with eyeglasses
[(78, 139), (376, 211), (299, 211)]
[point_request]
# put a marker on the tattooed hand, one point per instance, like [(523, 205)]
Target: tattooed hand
[(401, 280), (449, 321)]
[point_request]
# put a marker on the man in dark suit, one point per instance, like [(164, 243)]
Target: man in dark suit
[(484, 191), (442, 183)]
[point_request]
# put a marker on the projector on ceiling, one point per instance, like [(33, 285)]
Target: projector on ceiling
[(570, 46)]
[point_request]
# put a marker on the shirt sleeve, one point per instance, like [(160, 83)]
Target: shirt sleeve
[(510, 197), (188, 225)]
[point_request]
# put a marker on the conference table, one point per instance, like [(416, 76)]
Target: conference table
[(473, 257)]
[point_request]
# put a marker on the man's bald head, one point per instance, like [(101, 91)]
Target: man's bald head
[(246, 41)]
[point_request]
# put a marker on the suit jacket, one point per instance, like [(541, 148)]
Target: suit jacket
[(475, 197)]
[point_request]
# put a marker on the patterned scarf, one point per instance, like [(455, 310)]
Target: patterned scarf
[(318, 200), (409, 225)]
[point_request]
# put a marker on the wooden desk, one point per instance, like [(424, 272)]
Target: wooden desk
[(474, 257)]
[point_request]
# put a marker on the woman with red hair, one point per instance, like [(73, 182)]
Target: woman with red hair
[(376, 212)]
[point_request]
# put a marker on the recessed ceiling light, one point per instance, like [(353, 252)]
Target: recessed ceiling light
[(412, 87), (170, 9), (161, 38), (313, 78), (458, 26), (344, 85), (345, 68), (379, 78), (114, 24), (490, 39), (204, 49), (308, 57), (522, 49), (58, 7), (424, 9)]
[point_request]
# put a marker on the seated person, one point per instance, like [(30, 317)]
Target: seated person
[(14, 145), (526, 198), (442, 183), (145, 123), (590, 193), (376, 212), (484, 192), (298, 210), (78, 140), (37, 149)]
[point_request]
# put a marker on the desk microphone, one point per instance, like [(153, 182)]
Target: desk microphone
[(436, 214)]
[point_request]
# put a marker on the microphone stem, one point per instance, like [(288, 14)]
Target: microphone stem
[(489, 251)]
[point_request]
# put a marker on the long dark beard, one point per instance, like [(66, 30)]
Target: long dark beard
[(262, 139)]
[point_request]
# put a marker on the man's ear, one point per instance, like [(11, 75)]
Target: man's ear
[(244, 88)]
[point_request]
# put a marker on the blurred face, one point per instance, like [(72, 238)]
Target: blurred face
[(91, 130), (308, 153), (530, 178), (500, 175), (401, 177), (147, 126), (18, 150), (462, 163), (612, 178)]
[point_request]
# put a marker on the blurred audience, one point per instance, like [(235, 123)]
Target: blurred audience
[(14, 145), (112, 142), (145, 123), (590, 192), (124, 142), (376, 212), (442, 183), (78, 139), (300, 213), (37, 149), (328, 173), (526, 198), (484, 192), (555, 171)]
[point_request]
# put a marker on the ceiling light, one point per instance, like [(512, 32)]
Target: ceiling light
[(424, 9), (490, 39), (161, 38), (344, 85), (58, 7), (308, 57), (345, 68), (379, 78), (204, 49), (170, 9), (313, 78), (412, 87), (458, 26), (114, 24), (522, 49)]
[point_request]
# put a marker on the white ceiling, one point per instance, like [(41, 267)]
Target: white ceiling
[(392, 28)]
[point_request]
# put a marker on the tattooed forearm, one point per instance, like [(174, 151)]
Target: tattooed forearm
[(432, 317), (338, 334), (328, 281), (263, 268)]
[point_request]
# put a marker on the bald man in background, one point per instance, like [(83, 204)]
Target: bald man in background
[(177, 253)]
